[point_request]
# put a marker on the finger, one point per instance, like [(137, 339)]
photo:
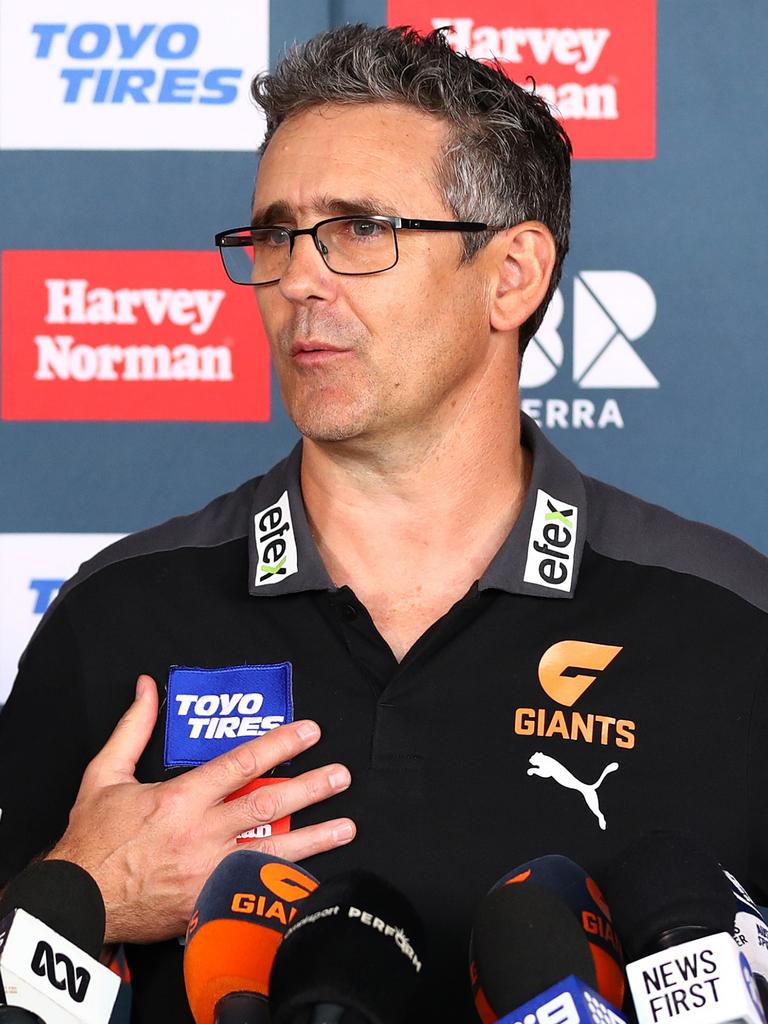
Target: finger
[(226, 773), (307, 841), (116, 761), (270, 803)]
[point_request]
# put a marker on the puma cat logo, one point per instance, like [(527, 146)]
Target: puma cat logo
[(548, 768)]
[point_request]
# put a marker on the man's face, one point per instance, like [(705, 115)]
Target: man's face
[(369, 357)]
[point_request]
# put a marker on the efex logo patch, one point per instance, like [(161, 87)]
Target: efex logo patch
[(129, 336), (594, 62), (276, 554), (566, 671), (551, 543), (213, 710)]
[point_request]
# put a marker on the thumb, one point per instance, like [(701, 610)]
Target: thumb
[(116, 761)]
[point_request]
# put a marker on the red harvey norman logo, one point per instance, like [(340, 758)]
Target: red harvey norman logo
[(595, 61), (129, 336)]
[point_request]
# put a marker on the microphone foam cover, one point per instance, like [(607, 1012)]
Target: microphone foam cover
[(65, 897), (664, 881), (357, 943), (571, 884), (525, 939), (237, 924)]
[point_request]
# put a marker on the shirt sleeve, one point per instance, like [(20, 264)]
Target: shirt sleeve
[(43, 745)]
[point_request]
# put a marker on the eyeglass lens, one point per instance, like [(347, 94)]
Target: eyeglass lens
[(353, 245)]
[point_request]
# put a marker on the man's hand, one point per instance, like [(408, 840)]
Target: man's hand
[(151, 847)]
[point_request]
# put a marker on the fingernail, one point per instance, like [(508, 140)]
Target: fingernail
[(343, 833), (308, 730), (139, 687), (339, 778)]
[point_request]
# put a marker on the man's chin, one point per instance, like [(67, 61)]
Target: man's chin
[(327, 425)]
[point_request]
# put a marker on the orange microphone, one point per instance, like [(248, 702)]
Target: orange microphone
[(237, 924)]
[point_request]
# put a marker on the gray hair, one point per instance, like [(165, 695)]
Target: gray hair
[(507, 159)]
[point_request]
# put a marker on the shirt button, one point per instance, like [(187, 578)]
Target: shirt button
[(349, 612)]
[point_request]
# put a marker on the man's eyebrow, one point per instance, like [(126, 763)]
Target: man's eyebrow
[(282, 212)]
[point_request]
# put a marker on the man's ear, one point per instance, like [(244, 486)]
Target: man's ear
[(526, 256)]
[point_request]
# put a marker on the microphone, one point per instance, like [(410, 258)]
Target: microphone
[(750, 932), (353, 956), (237, 924), (543, 922), (64, 896), (50, 914), (674, 910), (16, 1015)]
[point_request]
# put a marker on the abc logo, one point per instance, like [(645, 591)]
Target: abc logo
[(60, 971)]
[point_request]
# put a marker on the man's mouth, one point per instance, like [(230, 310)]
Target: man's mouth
[(311, 350)]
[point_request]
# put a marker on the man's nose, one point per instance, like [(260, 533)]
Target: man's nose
[(307, 276)]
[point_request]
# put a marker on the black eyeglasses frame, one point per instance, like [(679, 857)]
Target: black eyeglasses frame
[(231, 238)]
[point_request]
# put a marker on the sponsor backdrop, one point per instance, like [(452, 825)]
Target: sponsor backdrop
[(134, 379)]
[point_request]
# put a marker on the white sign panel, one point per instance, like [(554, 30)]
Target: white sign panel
[(32, 568), (141, 75)]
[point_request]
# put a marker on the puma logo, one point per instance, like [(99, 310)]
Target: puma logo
[(548, 768)]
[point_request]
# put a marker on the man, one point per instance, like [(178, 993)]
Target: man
[(504, 658)]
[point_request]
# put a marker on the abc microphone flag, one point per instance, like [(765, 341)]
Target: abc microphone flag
[(239, 919), (51, 931), (50, 976)]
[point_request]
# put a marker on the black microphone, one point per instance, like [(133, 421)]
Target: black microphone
[(65, 897), (352, 956), (674, 911), (18, 1015), (52, 921), (540, 924)]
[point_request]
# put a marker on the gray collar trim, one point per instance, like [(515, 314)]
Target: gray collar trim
[(540, 557)]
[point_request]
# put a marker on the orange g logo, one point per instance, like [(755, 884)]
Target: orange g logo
[(572, 654)]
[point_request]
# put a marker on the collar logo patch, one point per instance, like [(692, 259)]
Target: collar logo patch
[(276, 554), (551, 543), (213, 710)]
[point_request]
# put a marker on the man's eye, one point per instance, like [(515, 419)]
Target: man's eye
[(271, 237), (367, 228)]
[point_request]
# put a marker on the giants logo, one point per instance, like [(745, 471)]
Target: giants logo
[(563, 679), (597, 68), (129, 336), (285, 886), (60, 971)]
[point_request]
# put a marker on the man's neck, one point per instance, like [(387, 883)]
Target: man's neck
[(410, 524)]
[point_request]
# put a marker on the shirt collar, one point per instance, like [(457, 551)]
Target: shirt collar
[(541, 555)]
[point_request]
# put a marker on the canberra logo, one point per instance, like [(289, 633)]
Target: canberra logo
[(612, 310)]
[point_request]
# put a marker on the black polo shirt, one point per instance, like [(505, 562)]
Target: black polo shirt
[(607, 674)]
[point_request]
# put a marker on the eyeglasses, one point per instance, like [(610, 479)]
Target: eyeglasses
[(353, 246)]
